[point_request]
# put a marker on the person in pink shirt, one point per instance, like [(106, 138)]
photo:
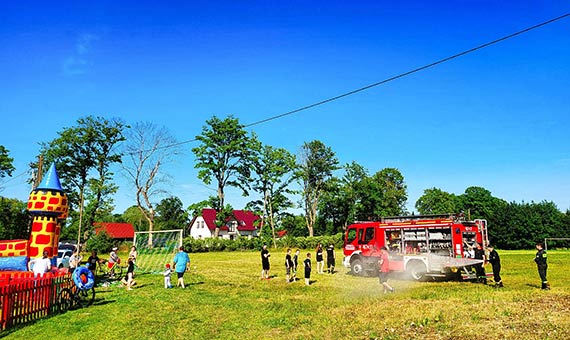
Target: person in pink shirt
[(384, 269)]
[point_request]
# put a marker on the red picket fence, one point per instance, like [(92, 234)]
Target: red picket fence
[(24, 298)]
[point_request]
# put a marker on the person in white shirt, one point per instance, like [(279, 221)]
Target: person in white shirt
[(75, 260), (40, 266)]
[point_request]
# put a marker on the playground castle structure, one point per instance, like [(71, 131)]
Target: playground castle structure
[(48, 207)]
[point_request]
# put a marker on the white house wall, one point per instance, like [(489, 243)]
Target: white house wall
[(199, 229)]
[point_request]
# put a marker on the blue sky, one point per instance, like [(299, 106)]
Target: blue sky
[(497, 118)]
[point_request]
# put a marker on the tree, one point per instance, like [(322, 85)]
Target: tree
[(171, 214), (224, 155), (134, 216), (275, 170), (342, 200), (436, 201), (524, 224), (383, 194), (14, 219), (149, 148), (6, 167), (84, 155), (334, 209), (477, 202), (316, 165)]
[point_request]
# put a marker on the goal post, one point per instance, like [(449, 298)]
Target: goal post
[(156, 248), (567, 239)]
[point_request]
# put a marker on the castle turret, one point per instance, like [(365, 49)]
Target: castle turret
[(48, 206)]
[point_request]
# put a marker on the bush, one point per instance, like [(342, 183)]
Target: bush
[(192, 245)]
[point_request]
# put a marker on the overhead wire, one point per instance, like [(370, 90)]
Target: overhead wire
[(401, 75)]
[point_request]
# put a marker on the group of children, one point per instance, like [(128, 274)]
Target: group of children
[(292, 263)]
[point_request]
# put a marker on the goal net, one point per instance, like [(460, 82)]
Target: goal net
[(156, 248), (557, 242)]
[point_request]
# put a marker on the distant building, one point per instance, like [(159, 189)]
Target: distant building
[(117, 231), (240, 223)]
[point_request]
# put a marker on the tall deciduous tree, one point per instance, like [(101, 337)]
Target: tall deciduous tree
[(275, 170), (436, 201), (84, 156), (316, 165), (134, 216), (342, 198), (224, 155), (383, 194), (149, 148)]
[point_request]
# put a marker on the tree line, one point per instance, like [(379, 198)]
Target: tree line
[(330, 196)]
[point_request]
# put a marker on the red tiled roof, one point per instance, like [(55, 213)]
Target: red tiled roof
[(244, 218), (116, 230)]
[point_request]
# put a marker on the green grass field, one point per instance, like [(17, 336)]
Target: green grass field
[(225, 299)]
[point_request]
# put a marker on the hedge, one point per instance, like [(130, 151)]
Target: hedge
[(193, 245)]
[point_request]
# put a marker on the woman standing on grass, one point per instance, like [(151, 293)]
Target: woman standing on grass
[(181, 262), (320, 260), (265, 262), (307, 263)]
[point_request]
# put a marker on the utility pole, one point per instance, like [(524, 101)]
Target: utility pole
[(39, 175)]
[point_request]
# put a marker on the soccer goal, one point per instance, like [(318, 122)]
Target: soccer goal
[(156, 248), (563, 242)]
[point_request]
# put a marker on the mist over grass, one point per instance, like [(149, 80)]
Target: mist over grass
[(226, 299)]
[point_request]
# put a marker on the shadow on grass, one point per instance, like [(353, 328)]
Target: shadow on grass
[(194, 283), (102, 302)]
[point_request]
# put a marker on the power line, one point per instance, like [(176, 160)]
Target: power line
[(401, 75), (441, 61)]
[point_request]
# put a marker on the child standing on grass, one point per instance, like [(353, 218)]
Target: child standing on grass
[(288, 266), (295, 264), (130, 272), (307, 263), (167, 274)]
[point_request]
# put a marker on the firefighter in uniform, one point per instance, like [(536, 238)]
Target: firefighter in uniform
[(479, 269), (540, 260), (495, 262)]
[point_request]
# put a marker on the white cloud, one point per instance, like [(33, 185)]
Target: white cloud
[(78, 63)]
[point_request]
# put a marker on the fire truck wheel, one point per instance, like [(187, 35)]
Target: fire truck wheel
[(357, 267), (417, 270)]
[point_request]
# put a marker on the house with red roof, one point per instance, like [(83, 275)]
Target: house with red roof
[(240, 223), (117, 231)]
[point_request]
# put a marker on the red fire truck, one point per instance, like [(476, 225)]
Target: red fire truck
[(422, 246)]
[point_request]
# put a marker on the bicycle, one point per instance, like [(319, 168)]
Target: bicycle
[(73, 297), (115, 271)]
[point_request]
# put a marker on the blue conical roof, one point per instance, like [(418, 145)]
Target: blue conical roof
[(51, 180)]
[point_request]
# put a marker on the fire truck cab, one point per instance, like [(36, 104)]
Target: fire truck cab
[(422, 246)]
